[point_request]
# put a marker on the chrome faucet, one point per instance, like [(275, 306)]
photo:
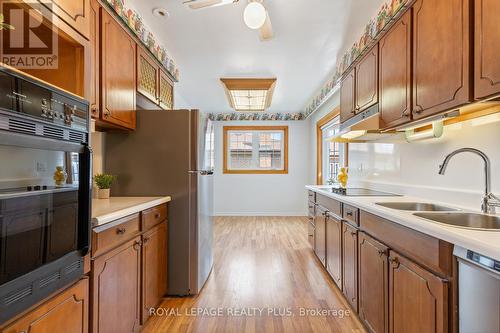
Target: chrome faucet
[(490, 201)]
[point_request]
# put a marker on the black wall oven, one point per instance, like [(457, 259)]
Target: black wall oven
[(45, 190)]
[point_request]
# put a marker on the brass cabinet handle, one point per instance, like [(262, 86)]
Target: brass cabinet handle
[(146, 239), (349, 214), (157, 215), (381, 253), (394, 262), (106, 113), (353, 233), (137, 245), (120, 231)]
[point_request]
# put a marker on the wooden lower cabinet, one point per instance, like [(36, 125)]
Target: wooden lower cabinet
[(320, 234), (373, 284), (66, 312), (418, 299), (350, 264), (334, 248), (116, 289), (154, 268)]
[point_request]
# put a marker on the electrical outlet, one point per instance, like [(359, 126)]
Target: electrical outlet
[(41, 167)]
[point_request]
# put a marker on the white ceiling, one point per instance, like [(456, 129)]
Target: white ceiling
[(212, 43)]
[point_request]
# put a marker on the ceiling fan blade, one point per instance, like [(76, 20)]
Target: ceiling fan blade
[(199, 4), (266, 31)]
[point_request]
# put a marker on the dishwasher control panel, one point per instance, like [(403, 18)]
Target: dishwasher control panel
[(483, 261)]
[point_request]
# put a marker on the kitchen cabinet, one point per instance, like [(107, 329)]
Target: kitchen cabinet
[(116, 289), (94, 84), (395, 73), (75, 13), (320, 234), (350, 264), (148, 74), (347, 102), (66, 312), (367, 80), (373, 284), (418, 299), (154, 268), (334, 248), (487, 34), (166, 91), (118, 74), (441, 60)]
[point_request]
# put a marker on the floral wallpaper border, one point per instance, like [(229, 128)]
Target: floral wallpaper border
[(233, 116), (387, 12), (134, 21)]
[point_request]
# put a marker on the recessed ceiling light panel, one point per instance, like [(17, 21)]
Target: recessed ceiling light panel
[(249, 94)]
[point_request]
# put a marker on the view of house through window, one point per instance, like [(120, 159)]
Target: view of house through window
[(332, 152), (261, 149)]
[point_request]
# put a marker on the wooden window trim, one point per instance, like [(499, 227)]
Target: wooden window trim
[(319, 144), (226, 129)]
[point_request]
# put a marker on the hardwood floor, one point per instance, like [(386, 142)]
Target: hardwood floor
[(261, 264)]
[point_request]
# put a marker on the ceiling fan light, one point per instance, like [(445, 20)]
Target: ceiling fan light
[(254, 15)]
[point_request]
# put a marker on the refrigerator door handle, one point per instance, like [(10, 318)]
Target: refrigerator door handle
[(201, 172)]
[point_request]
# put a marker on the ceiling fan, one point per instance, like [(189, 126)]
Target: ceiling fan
[(256, 16)]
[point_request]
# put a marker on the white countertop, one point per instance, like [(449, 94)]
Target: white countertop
[(484, 242), (114, 208)]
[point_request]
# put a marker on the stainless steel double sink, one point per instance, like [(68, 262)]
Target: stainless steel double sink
[(447, 215)]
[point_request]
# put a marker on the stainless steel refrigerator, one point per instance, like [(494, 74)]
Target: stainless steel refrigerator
[(171, 153)]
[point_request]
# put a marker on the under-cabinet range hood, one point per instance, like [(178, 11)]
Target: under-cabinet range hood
[(363, 127)]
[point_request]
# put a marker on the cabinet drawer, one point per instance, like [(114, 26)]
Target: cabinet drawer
[(311, 196), (153, 216), (331, 205), (435, 254), (108, 238), (351, 215)]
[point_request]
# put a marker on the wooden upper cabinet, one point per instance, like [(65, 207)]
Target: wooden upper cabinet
[(118, 80), (441, 60), (373, 284), (154, 268), (94, 59), (148, 74), (65, 312), (487, 34), (418, 299), (76, 13), (395, 73), (350, 264), (116, 289), (334, 249), (347, 103), (367, 80), (166, 91)]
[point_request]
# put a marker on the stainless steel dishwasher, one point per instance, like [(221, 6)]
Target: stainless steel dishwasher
[(478, 292)]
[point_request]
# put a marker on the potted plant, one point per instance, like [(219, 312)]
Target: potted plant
[(103, 182)]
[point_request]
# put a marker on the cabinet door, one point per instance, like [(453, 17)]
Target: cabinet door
[(440, 56), (350, 264), (367, 80), (74, 12), (147, 75), (118, 73), (487, 34), (94, 58), (347, 107), (166, 92), (320, 235), (418, 300), (334, 249), (395, 73), (116, 288), (154, 268), (373, 284), (66, 312)]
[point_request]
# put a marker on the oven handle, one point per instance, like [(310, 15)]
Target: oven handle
[(85, 200)]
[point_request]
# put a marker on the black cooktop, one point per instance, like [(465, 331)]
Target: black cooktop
[(359, 192)]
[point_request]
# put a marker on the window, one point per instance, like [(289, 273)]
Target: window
[(255, 149)]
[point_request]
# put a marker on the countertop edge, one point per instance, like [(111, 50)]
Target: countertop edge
[(453, 235), (98, 221)]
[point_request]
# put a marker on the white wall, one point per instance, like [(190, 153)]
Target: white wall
[(412, 168), (265, 195)]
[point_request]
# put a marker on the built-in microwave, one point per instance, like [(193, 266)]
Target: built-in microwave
[(45, 190)]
